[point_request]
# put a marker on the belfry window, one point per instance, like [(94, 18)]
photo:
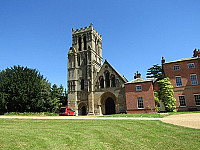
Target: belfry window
[(97, 49), (84, 41), (71, 86), (82, 84), (107, 79), (113, 81), (101, 82), (96, 45), (79, 42), (78, 60), (86, 59)]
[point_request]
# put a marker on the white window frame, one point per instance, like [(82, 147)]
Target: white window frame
[(180, 80), (190, 65), (176, 67), (138, 99), (180, 102), (194, 82), (195, 99), (138, 89)]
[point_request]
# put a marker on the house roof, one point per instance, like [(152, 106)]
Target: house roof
[(140, 80), (183, 59)]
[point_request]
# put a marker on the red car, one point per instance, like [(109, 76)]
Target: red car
[(64, 111)]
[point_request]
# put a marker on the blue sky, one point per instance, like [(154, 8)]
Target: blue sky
[(136, 33)]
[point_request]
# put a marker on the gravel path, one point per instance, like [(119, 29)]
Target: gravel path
[(191, 120)]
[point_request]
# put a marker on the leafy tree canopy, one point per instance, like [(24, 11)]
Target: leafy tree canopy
[(155, 72), (25, 90)]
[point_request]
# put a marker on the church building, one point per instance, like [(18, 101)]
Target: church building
[(94, 87)]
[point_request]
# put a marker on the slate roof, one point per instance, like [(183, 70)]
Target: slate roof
[(183, 59), (140, 80)]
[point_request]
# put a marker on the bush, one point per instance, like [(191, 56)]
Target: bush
[(166, 94)]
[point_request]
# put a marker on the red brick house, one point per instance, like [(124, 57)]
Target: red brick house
[(184, 75), (139, 95)]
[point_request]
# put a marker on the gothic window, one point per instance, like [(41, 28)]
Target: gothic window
[(79, 42), (107, 79), (85, 45), (72, 73), (78, 60), (71, 86), (95, 44), (82, 84), (85, 59), (101, 82), (97, 50), (113, 81)]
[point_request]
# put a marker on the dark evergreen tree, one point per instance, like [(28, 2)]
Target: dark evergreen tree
[(59, 94), (63, 98), (24, 90), (155, 72)]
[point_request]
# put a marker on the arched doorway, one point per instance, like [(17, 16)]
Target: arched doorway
[(83, 110), (109, 106)]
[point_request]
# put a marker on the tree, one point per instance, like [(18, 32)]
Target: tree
[(63, 97), (155, 72), (24, 90), (157, 101), (55, 98), (166, 93), (58, 94)]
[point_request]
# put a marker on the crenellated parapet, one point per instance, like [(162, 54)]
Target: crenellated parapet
[(85, 30)]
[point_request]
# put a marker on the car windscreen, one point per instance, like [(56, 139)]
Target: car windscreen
[(62, 110)]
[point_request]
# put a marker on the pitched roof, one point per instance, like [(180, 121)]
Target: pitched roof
[(183, 59), (123, 78), (139, 80)]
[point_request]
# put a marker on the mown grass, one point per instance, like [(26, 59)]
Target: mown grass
[(150, 115), (31, 114), (183, 112), (95, 134)]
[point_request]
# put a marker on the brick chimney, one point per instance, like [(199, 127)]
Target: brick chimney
[(196, 53), (137, 75), (163, 60)]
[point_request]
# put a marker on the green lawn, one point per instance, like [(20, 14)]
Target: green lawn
[(31, 114), (150, 115), (95, 134)]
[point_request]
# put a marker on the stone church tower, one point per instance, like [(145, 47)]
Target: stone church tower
[(84, 61), (94, 88)]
